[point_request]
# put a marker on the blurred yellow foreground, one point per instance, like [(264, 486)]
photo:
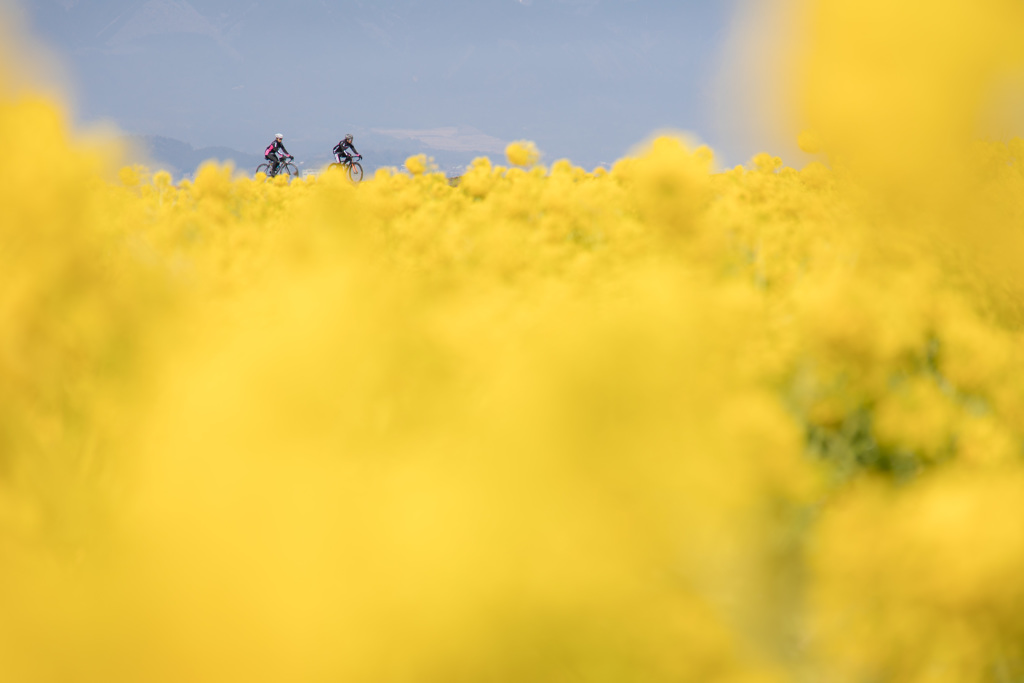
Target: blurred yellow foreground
[(650, 424)]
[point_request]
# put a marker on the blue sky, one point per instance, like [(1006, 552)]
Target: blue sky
[(584, 79)]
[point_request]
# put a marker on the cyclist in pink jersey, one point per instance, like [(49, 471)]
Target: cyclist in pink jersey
[(275, 152)]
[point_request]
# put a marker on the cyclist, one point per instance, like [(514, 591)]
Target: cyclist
[(341, 149), (275, 152)]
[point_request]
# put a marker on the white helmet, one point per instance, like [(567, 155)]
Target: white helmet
[(279, 136)]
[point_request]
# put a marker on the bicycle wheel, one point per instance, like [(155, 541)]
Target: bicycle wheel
[(289, 170), (355, 172), (264, 169), (335, 167)]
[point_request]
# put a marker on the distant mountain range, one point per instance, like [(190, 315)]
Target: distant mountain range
[(182, 159)]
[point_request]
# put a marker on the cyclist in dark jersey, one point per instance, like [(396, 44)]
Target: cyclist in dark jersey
[(275, 152), (341, 149)]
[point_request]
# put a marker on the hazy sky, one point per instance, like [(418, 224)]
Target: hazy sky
[(584, 79)]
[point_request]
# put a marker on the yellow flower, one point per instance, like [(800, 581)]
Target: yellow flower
[(417, 165), (130, 176), (808, 142), (522, 153)]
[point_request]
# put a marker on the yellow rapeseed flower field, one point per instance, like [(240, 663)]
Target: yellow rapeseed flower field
[(652, 423)]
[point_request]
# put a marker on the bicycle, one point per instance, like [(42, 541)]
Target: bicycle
[(285, 166), (352, 167)]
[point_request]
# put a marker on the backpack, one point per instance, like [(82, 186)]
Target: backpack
[(268, 150)]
